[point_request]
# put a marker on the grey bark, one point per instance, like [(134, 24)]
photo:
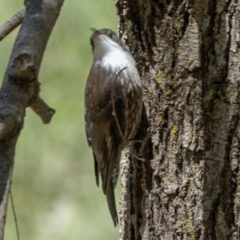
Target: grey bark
[(20, 88), (188, 56)]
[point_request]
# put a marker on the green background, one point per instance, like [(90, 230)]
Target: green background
[(54, 188)]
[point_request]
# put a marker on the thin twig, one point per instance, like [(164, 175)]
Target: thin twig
[(15, 215), (113, 106), (11, 24), (145, 138), (138, 158)]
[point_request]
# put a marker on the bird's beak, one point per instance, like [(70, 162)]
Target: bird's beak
[(93, 29)]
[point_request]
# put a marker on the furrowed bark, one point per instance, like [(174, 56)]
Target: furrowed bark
[(188, 56)]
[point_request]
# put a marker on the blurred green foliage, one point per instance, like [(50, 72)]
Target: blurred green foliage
[(54, 186)]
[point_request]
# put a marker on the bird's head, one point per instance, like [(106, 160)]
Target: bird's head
[(103, 42)]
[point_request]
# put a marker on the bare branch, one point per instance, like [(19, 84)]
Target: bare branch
[(20, 88), (5, 185), (11, 24), (15, 215)]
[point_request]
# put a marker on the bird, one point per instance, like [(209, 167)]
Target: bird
[(113, 108)]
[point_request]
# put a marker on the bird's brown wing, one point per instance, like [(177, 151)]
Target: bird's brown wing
[(104, 120), (100, 121)]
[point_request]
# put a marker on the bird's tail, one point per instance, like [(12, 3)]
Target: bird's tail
[(112, 204)]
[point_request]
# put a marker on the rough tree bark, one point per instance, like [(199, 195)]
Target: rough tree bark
[(188, 56), (20, 88)]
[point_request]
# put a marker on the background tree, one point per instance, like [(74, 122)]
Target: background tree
[(188, 56), (20, 88)]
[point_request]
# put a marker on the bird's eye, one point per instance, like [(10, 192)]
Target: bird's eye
[(110, 34)]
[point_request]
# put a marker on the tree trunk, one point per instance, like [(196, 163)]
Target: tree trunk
[(188, 56)]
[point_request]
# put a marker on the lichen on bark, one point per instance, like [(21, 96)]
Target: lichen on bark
[(188, 56)]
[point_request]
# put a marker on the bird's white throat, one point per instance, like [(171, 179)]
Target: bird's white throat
[(110, 53)]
